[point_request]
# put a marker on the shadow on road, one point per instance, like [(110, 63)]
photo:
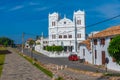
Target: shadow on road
[(103, 78), (4, 52)]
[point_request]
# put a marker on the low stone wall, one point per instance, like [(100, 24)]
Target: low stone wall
[(51, 54), (58, 71)]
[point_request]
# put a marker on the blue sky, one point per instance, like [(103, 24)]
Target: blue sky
[(31, 16)]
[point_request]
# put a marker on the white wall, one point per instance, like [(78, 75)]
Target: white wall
[(111, 65), (88, 54)]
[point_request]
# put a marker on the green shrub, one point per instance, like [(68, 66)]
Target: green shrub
[(54, 48)]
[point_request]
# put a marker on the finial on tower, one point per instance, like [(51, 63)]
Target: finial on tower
[(64, 15), (42, 34)]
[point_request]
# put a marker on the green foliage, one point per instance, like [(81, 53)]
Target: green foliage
[(38, 43), (113, 74), (54, 48), (114, 48), (59, 78), (31, 42), (2, 58), (49, 73), (6, 41)]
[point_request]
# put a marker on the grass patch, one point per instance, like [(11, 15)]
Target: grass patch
[(2, 58), (2, 48), (113, 75), (49, 73), (59, 78)]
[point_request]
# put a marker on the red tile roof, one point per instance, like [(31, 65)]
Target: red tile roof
[(115, 30), (87, 43), (29, 39)]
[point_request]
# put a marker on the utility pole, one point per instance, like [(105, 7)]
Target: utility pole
[(42, 41), (23, 41), (75, 46), (92, 51)]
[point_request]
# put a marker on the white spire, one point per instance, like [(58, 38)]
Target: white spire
[(64, 15), (42, 34)]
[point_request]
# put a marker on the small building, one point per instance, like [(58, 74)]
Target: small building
[(42, 43), (27, 43), (99, 43), (38, 42), (85, 51), (45, 42)]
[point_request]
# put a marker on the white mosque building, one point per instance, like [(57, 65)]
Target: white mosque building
[(65, 32)]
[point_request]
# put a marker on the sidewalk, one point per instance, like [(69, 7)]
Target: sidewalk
[(17, 68)]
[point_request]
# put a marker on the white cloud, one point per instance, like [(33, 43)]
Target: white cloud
[(42, 8), (16, 8)]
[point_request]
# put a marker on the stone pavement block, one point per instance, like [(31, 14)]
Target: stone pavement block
[(17, 68)]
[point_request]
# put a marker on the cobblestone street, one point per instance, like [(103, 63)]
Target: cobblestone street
[(17, 68)]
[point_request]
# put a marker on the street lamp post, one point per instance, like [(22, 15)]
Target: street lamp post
[(22, 42)]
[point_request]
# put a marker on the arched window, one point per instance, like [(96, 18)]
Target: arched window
[(70, 36), (102, 41), (60, 36), (65, 36), (78, 22), (53, 36), (95, 41), (79, 35), (53, 23)]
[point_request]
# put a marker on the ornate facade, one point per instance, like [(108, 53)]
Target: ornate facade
[(65, 32)]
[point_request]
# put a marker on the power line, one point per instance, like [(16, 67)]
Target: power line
[(95, 23), (81, 27), (103, 21)]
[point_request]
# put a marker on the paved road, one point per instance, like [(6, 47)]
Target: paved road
[(62, 61), (17, 68)]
